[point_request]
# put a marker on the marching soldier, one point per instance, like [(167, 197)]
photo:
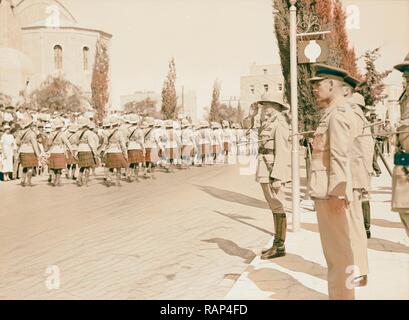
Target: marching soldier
[(172, 144), (273, 170), (115, 151), (400, 179), (330, 185), (152, 147), (216, 140), (227, 140), (188, 144), (87, 151), (71, 161), (135, 147), (204, 140), (58, 146), (28, 151)]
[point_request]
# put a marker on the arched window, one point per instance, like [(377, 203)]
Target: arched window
[(58, 57), (85, 53)]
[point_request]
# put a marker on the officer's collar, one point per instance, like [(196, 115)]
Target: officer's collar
[(334, 104)]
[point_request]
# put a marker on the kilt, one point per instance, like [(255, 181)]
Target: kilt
[(28, 160), (86, 159), (151, 155), (215, 148), (135, 156), (57, 161), (115, 161), (70, 158), (186, 151), (171, 153), (225, 146)]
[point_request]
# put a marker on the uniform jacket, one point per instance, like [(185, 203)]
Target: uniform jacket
[(171, 139), (60, 143), (362, 150), (135, 138), (331, 156), (27, 142), (187, 137), (85, 139), (274, 157), (115, 142), (204, 136), (227, 135)]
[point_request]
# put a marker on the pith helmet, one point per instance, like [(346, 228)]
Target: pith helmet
[(26, 121), (58, 123), (83, 122), (169, 124), (185, 123), (275, 101)]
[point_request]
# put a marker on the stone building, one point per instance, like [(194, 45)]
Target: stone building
[(260, 80), (50, 41)]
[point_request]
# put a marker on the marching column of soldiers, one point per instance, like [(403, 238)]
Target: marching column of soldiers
[(127, 146)]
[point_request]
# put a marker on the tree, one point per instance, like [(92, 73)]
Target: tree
[(5, 99), (330, 15), (214, 114), (169, 97), (240, 113), (100, 80), (372, 86), (57, 94)]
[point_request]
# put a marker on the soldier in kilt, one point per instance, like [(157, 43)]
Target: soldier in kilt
[(87, 151), (115, 151), (152, 147), (59, 143), (28, 151), (172, 144), (227, 140), (204, 141), (187, 144), (135, 147), (71, 161)]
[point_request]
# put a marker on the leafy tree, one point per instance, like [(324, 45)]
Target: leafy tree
[(100, 80), (57, 94), (372, 86), (169, 98), (5, 99), (214, 114), (331, 15)]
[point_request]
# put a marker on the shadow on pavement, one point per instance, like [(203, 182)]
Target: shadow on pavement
[(297, 263), (387, 224), (234, 197), (386, 245), (233, 249), (283, 286), (246, 223)]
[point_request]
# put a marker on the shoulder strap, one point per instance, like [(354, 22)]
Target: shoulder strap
[(55, 137), (82, 134), (150, 130), (112, 134), (24, 135), (133, 132)]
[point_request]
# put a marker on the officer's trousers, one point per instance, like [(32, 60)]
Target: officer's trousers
[(359, 240), (274, 196), (334, 227), (404, 216)]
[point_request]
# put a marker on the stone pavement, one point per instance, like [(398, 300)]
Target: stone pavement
[(302, 273), (195, 234)]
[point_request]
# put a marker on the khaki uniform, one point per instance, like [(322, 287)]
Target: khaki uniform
[(273, 171), (400, 178), (361, 163), (331, 176)]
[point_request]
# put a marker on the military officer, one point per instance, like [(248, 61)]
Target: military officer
[(361, 164), (330, 184), (400, 179), (273, 170)]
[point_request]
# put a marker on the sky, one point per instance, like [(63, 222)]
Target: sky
[(218, 39)]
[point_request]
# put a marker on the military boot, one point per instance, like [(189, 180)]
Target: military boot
[(80, 180), (86, 177), (366, 210), (278, 248), (275, 226)]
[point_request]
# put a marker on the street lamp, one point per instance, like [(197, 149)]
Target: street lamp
[(295, 171)]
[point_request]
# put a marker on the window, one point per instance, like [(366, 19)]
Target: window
[(252, 89), (265, 71), (266, 88), (58, 57), (85, 53), (280, 87)]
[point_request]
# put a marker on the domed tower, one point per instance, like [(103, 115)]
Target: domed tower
[(15, 66)]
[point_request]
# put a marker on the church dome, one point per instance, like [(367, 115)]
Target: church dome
[(14, 60)]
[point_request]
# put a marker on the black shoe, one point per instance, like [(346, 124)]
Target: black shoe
[(368, 234), (273, 253), (264, 251), (361, 281)]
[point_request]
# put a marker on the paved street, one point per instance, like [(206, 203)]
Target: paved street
[(195, 234)]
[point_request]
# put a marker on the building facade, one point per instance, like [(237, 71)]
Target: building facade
[(55, 43), (262, 79)]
